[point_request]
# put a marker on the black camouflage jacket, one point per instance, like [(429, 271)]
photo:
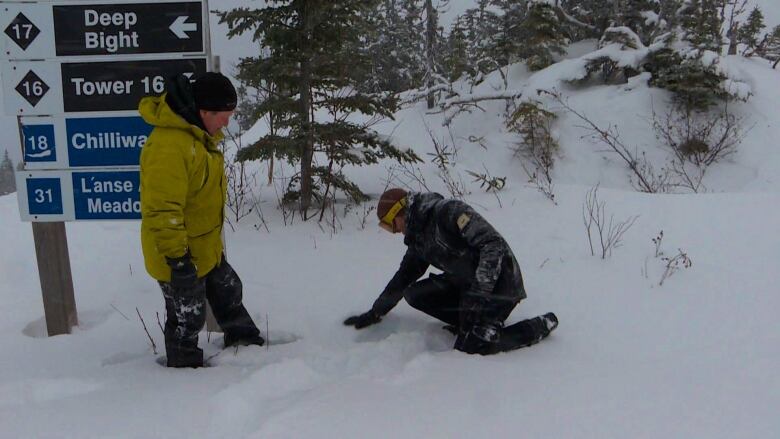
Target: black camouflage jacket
[(449, 235)]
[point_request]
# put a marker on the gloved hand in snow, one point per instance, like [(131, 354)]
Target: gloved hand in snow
[(361, 321)]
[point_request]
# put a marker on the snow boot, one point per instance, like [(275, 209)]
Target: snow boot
[(528, 332), (243, 340), (184, 357)]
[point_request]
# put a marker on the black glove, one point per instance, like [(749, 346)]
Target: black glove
[(184, 274), (483, 340), (363, 320)]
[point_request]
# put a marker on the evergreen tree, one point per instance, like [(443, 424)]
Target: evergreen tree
[(485, 34), (543, 35), (506, 42), (393, 41), (598, 14), (642, 17), (311, 53), (701, 23), (433, 51), (771, 49), (750, 31), (457, 61), (7, 179), (668, 12)]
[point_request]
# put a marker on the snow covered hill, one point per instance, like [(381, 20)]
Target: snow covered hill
[(695, 357)]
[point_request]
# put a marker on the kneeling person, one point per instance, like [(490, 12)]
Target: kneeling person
[(481, 281)]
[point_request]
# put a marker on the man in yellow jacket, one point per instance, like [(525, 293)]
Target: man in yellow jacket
[(183, 187)]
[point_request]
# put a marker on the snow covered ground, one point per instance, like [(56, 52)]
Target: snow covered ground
[(695, 357)]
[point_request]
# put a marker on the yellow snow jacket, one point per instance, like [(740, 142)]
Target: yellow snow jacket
[(183, 189)]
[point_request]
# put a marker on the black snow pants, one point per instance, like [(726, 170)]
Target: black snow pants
[(441, 296), (186, 314)]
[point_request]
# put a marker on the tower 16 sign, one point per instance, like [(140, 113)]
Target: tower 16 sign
[(46, 30), (50, 87)]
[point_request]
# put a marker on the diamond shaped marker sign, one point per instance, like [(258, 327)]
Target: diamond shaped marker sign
[(22, 31), (32, 88)]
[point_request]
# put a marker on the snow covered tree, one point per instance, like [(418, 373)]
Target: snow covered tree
[(771, 47), (749, 33), (701, 24), (433, 44), (492, 33), (696, 85), (668, 12), (393, 42), (456, 57), (543, 35), (689, 64), (611, 64), (7, 179), (731, 12), (642, 17), (310, 52), (481, 25), (597, 15)]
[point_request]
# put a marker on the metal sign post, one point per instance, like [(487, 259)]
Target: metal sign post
[(73, 73)]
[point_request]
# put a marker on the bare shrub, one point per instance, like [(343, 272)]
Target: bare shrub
[(240, 201), (657, 242), (700, 138), (673, 264), (697, 140), (407, 176), (488, 182), (443, 157), (644, 177), (609, 234)]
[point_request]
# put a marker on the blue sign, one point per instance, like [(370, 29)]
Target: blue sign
[(44, 196), (106, 141), (107, 195), (39, 144)]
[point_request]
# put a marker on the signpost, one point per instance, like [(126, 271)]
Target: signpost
[(57, 29), (83, 141), (54, 87), (74, 72), (68, 195)]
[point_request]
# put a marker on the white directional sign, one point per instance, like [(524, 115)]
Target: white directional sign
[(83, 141), (78, 195), (75, 71), (48, 30), (53, 87)]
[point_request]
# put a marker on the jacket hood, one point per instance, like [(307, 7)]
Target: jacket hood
[(156, 111), (419, 211)]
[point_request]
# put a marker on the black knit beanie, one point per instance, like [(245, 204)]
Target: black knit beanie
[(214, 92)]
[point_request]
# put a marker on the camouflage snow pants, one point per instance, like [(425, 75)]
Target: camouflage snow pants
[(186, 314)]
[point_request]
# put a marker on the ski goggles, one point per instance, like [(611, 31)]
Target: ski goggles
[(386, 222)]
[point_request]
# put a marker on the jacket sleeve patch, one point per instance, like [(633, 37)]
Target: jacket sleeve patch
[(463, 220)]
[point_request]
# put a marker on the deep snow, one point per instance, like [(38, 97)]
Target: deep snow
[(693, 358)]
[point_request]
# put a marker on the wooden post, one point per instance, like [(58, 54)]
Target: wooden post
[(51, 251)]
